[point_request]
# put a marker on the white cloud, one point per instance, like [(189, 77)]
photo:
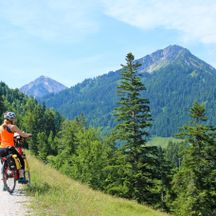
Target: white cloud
[(51, 19), (70, 20), (195, 19)]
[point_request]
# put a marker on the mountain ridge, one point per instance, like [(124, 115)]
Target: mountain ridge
[(169, 55), (177, 78)]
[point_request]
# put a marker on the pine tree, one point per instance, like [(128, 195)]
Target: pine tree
[(2, 107), (164, 185), (134, 120), (195, 183), (90, 158)]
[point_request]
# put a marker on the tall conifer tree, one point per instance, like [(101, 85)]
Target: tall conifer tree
[(134, 120), (195, 183)]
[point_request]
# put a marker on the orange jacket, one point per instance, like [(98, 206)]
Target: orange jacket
[(6, 138)]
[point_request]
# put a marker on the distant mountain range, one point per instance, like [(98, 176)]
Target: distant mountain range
[(42, 86), (174, 79)]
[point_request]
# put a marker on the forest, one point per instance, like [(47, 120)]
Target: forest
[(178, 80), (180, 179)]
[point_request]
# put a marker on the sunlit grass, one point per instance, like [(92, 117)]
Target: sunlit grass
[(163, 141), (56, 194)]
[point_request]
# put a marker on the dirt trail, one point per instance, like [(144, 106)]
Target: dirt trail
[(15, 204)]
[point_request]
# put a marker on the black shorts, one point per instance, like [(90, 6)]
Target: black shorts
[(4, 152)]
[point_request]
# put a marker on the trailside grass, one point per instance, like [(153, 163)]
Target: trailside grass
[(55, 194)]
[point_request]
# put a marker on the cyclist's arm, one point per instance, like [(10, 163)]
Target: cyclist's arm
[(21, 133)]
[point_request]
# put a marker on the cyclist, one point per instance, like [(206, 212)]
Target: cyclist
[(7, 130)]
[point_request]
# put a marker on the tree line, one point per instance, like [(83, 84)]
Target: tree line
[(180, 179)]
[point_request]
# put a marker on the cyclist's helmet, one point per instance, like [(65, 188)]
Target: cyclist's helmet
[(9, 116)]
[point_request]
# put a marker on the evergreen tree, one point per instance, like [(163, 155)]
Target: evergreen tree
[(117, 172), (90, 158), (2, 107), (174, 153), (164, 184), (134, 120), (195, 183), (82, 121), (43, 146)]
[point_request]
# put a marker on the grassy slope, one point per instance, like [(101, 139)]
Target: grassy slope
[(163, 141), (56, 194)]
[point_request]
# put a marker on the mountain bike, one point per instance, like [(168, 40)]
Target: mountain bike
[(11, 165)]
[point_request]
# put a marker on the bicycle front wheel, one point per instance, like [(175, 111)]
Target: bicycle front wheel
[(9, 177)]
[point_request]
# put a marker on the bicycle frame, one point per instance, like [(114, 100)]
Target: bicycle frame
[(20, 151), (18, 140)]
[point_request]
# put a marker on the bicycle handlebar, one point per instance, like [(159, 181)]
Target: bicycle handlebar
[(18, 140)]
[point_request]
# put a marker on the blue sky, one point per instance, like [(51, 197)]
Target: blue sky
[(70, 41)]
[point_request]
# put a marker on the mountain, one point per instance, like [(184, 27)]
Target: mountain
[(174, 79), (41, 87), (172, 54)]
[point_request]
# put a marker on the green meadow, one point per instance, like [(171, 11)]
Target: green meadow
[(55, 194)]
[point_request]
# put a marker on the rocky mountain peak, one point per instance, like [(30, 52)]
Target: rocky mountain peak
[(169, 55), (42, 86)]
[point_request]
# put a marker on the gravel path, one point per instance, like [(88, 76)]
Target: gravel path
[(15, 204)]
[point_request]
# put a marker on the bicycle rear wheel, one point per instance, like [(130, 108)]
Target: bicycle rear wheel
[(9, 177)]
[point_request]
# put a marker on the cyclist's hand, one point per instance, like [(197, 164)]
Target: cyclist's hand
[(29, 135)]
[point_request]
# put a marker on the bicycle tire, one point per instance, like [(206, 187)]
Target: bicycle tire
[(9, 177)]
